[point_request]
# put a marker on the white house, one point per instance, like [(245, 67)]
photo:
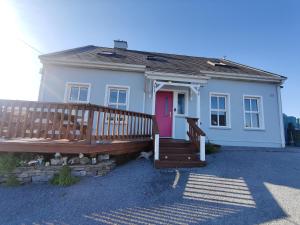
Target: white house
[(236, 105)]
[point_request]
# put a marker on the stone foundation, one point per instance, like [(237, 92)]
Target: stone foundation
[(45, 173)]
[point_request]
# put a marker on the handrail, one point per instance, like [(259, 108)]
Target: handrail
[(71, 121), (193, 123), (155, 129), (196, 136)]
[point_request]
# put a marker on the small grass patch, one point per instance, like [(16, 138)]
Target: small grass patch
[(211, 148), (12, 181), (64, 177), (8, 163)]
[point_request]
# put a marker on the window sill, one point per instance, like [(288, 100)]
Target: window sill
[(254, 129), (221, 128)]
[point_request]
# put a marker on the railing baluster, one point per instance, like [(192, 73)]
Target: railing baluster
[(103, 124), (134, 127), (40, 121), (18, 121), (54, 122), (73, 136), (90, 124), (68, 132), (97, 124), (3, 117), (114, 125), (9, 131), (47, 121), (108, 124), (123, 127), (32, 120), (24, 128), (61, 123), (131, 122), (82, 123), (127, 122)]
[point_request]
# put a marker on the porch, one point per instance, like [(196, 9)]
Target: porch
[(44, 127)]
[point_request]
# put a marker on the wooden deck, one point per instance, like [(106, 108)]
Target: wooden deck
[(45, 127), (115, 147)]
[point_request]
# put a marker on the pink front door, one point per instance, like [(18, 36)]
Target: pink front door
[(164, 112)]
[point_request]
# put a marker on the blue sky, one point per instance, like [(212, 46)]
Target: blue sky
[(263, 34)]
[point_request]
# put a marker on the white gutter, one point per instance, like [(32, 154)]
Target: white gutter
[(99, 65), (236, 76)]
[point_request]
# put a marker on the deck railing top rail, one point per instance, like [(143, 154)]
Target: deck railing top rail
[(71, 121)]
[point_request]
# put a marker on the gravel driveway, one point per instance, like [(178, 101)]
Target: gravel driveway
[(237, 187)]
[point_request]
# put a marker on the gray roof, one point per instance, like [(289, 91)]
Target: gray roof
[(160, 62)]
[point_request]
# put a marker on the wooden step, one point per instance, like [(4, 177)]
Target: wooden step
[(174, 151), (178, 157), (178, 164)]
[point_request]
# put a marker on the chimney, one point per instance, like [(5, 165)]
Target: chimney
[(120, 44)]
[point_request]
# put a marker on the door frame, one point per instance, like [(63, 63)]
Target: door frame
[(174, 115)]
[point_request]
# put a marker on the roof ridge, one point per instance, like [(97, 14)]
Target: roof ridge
[(253, 68), (66, 51)]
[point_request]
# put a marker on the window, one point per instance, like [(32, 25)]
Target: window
[(117, 97), (252, 112), (219, 114), (77, 92), (181, 104)]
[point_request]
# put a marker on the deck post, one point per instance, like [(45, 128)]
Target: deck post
[(202, 148), (156, 147)]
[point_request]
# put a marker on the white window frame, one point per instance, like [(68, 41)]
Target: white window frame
[(119, 87), (260, 109), (68, 87), (227, 109), (175, 103), (107, 95)]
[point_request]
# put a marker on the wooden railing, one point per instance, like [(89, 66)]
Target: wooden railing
[(196, 136), (31, 119)]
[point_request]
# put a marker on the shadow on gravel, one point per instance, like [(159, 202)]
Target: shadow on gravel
[(206, 199)]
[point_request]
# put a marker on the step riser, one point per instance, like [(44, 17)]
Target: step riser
[(178, 157), (176, 164)]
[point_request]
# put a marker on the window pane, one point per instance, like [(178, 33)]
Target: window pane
[(74, 93), (112, 106), (83, 94), (166, 106), (113, 95), (122, 96), (221, 102), (181, 104), (214, 118), (214, 102), (247, 104), (255, 120), (248, 119), (222, 118), (254, 105), (123, 107)]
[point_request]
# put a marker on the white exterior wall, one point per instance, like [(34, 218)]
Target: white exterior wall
[(140, 99)]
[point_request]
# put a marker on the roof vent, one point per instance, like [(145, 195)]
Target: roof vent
[(106, 53), (216, 63), (120, 44)]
